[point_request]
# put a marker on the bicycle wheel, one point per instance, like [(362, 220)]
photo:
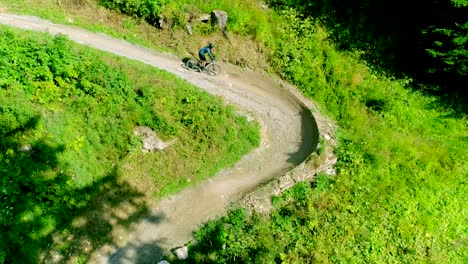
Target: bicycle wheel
[(192, 64), (212, 69)]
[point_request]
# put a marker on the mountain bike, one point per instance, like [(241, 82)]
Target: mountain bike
[(211, 68)]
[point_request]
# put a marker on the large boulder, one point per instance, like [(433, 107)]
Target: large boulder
[(220, 19)]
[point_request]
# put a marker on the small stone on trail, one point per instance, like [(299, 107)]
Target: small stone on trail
[(181, 253), (331, 172)]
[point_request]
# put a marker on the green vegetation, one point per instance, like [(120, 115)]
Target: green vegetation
[(400, 192), (67, 148), (426, 41), (250, 24), (146, 9), (245, 17)]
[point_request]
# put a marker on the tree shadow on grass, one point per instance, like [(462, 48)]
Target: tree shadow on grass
[(112, 207), (44, 216)]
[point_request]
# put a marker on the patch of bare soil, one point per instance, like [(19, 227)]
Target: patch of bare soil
[(290, 134)]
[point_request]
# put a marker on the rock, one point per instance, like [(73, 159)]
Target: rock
[(189, 29), (151, 141), (165, 22), (264, 6), (181, 253), (205, 18), (26, 148), (331, 171), (163, 262), (219, 18)]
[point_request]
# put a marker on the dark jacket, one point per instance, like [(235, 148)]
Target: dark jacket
[(205, 50)]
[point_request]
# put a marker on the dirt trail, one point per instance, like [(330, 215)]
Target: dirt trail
[(289, 135)]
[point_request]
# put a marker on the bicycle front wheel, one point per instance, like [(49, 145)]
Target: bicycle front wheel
[(192, 65), (212, 69)]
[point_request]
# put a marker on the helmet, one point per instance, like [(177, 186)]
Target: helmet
[(211, 45)]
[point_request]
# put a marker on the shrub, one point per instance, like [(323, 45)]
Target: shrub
[(146, 9)]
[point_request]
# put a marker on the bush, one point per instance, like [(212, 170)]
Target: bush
[(13, 118), (149, 10)]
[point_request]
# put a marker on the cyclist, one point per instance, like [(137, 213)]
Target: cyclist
[(203, 51)]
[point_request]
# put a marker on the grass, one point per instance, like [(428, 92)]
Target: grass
[(70, 159)]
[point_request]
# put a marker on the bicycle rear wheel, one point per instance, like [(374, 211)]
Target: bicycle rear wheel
[(212, 69), (192, 64)]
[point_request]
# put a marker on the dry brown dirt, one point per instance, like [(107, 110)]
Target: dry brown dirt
[(289, 135)]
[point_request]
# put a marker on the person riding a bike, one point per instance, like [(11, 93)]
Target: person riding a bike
[(203, 51), (201, 65)]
